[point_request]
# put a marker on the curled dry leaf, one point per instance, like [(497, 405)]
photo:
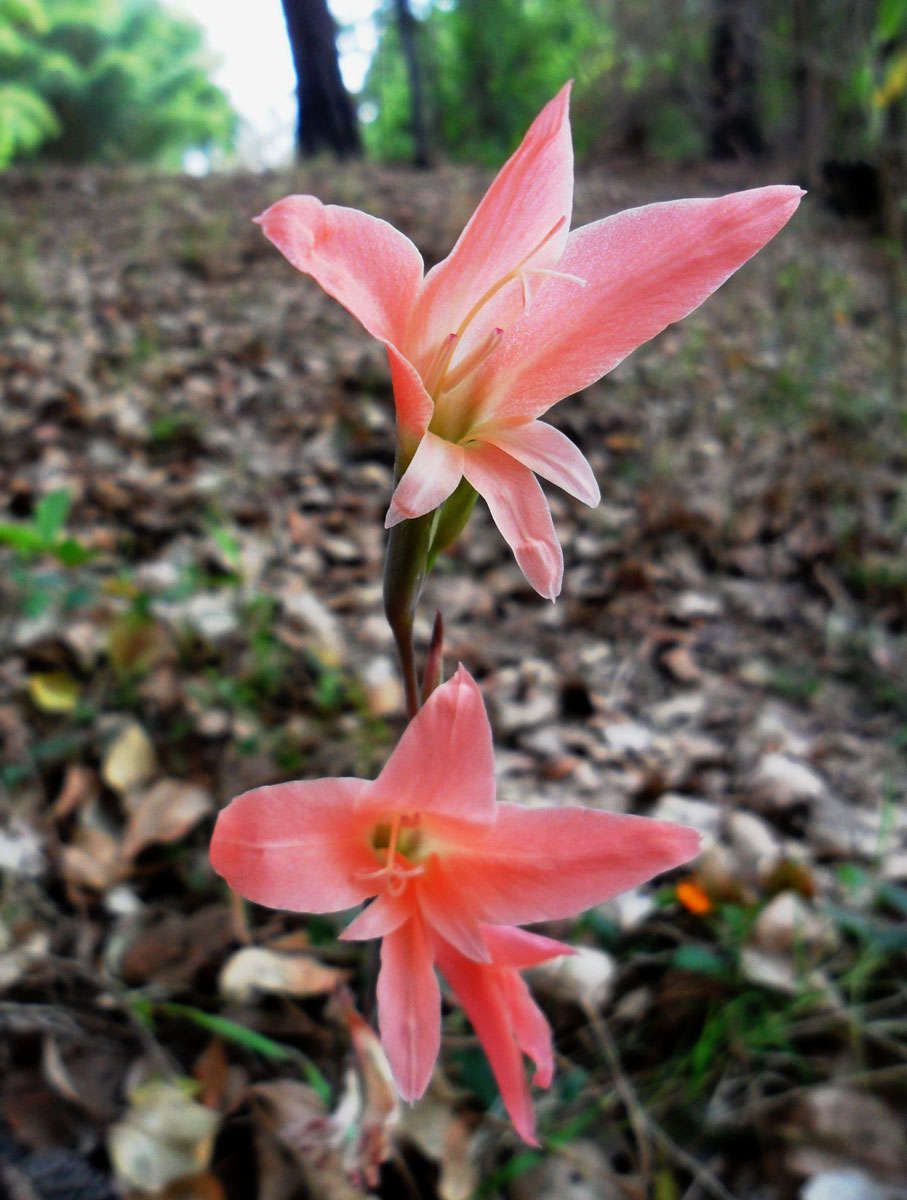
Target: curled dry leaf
[(254, 969), (365, 1122), (165, 813)]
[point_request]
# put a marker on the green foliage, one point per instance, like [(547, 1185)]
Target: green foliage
[(642, 74), (491, 66), (43, 535), (94, 80)]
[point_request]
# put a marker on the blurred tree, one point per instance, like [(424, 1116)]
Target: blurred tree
[(490, 65), (26, 119), (677, 79), (406, 26), (736, 128), (95, 80), (326, 118)]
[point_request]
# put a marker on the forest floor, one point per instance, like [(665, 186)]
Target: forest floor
[(196, 449)]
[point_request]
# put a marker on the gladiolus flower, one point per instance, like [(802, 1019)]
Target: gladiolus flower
[(519, 315), (450, 874)]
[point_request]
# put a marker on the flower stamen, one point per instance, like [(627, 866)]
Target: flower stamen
[(470, 361), (398, 843), (435, 383)]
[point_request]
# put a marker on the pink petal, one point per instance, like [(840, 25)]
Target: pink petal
[(532, 193), (385, 914), (542, 864), (448, 912), (520, 511), (549, 453), (409, 1007), (644, 268), (512, 947), (370, 267), (296, 845), (433, 473), (443, 763), (530, 1027), (413, 404), (479, 991)]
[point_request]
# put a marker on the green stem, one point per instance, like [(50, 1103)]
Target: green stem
[(405, 568)]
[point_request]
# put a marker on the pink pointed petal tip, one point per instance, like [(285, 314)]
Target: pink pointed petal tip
[(551, 454), (644, 269), (486, 994), (522, 218), (371, 268), (589, 856), (432, 475), (519, 509), (409, 1007), (444, 763)]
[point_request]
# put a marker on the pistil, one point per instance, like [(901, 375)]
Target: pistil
[(403, 842)]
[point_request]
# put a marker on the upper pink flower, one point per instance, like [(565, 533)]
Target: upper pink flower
[(452, 872), (520, 314)]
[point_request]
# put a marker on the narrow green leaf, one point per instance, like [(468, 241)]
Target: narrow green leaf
[(51, 514), (258, 1043)]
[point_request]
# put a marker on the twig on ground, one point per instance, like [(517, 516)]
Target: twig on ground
[(645, 1127)]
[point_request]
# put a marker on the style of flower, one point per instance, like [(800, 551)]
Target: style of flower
[(520, 314), (450, 874)]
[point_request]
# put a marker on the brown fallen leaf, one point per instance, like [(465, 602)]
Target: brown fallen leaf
[(164, 813), (80, 786), (254, 969), (365, 1123), (294, 1144), (92, 860)]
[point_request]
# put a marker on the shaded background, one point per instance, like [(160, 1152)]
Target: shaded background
[(196, 455)]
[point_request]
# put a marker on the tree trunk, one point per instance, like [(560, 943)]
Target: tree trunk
[(808, 91), (406, 25), (736, 129), (326, 118)]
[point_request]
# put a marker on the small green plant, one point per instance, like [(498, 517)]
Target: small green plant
[(44, 534)]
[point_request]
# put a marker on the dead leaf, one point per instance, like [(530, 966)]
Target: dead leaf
[(444, 1136), (80, 786), (197, 1187), (164, 1136), (289, 1117), (366, 1117), (165, 813), (254, 969), (93, 860), (54, 691), (130, 759)]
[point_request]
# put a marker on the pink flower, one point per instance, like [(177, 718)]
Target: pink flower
[(451, 873), (520, 314)]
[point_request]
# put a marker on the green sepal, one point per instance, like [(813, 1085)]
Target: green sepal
[(451, 519)]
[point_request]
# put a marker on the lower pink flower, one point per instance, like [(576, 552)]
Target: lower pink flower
[(450, 874)]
